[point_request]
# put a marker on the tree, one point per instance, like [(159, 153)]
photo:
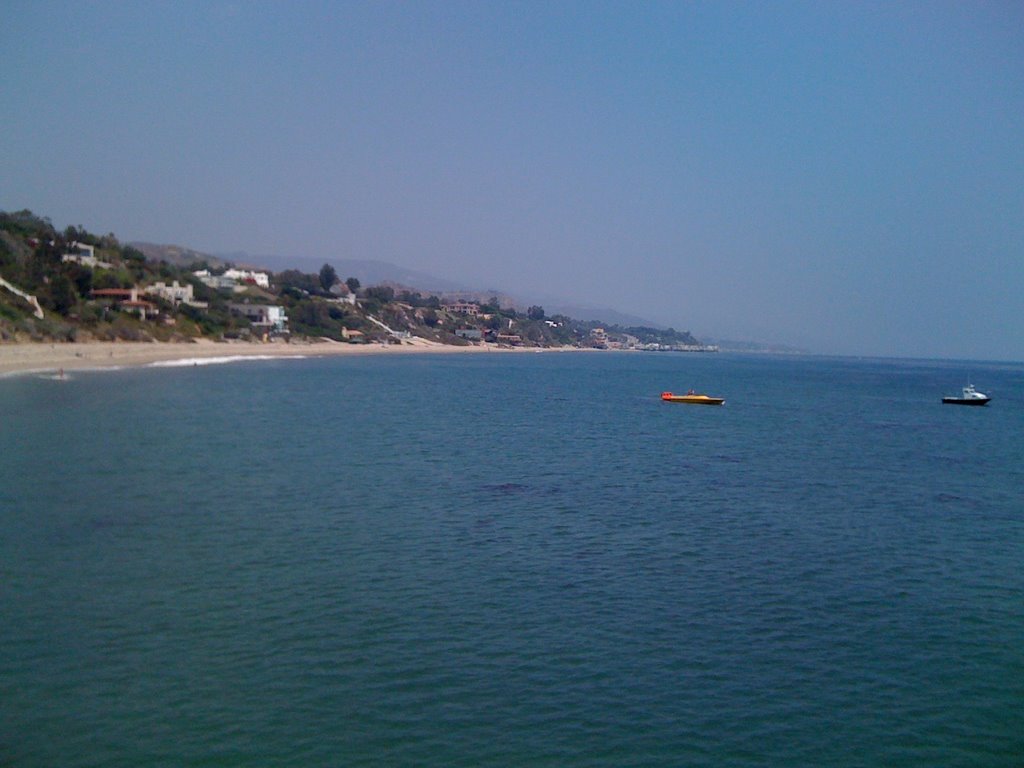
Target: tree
[(535, 313), (62, 294), (353, 284), (328, 277), (134, 255), (382, 293), (292, 278), (81, 277), (27, 224), (536, 334)]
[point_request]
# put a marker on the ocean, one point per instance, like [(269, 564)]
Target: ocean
[(513, 560)]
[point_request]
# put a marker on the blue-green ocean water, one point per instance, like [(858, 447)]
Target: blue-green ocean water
[(513, 560)]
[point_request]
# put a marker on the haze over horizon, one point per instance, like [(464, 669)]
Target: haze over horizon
[(842, 177)]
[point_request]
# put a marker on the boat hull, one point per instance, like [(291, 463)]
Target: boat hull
[(668, 397), (966, 401)]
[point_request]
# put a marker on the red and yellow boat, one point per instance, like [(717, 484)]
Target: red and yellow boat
[(692, 398)]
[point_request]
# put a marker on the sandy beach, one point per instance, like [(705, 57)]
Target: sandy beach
[(18, 358)]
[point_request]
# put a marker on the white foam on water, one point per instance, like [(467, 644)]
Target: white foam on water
[(52, 374), (195, 361)]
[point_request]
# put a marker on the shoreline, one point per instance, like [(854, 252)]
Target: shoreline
[(35, 357)]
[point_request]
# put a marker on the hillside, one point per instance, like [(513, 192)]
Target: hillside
[(73, 285)]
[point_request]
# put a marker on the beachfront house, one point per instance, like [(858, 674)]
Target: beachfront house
[(127, 299), (264, 317), (146, 310)]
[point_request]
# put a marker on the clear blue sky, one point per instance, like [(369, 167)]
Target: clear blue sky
[(848, 177)]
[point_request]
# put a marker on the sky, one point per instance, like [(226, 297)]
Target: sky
[(847, 178)]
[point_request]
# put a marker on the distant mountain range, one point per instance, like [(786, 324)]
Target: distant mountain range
[(176, 254), (370, 272), (601, 315)]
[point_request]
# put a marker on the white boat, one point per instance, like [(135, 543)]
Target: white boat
[(971, 396)]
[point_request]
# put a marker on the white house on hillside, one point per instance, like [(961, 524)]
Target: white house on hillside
[(261, 279), (233, 279), (86, 256), (217, 282), (175, 294)]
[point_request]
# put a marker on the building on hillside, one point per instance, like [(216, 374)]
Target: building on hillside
[(260, 279), (116, 294), (175, 294), (467, 308), (144, 309), (127, 299), (217, 282), (236, 280), (470, 334), (86, 256), (342, 294), (265, 317)]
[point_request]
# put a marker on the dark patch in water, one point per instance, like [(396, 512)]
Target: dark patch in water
[(79, 531), (507, 488), (729, 459), (961, 501), (519, 489)]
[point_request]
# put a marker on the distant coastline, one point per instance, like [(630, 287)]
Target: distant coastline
[(75, 286)]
